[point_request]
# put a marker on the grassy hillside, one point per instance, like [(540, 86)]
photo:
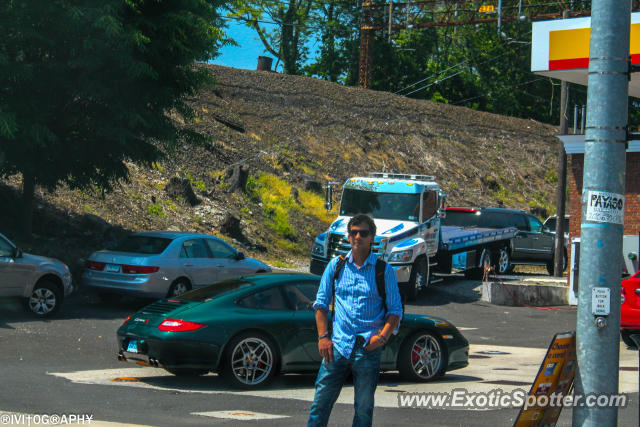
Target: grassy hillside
[(287, 130)]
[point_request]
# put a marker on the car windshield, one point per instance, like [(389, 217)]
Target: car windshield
[(142, 245), (462, 218), (214, 291), (398, 206)]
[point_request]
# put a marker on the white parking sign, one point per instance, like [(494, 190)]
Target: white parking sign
[(605, 207)]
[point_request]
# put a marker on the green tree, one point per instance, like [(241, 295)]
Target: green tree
[(339, 42), (86, 86), (282, 26)]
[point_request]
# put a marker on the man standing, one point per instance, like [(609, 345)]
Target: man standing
[(361, 325)]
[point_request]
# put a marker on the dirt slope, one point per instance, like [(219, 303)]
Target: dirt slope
[(296, 128)]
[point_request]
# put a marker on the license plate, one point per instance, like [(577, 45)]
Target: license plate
[(132, 347), (112, 268)]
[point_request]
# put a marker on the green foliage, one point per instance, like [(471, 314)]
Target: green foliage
[(156, 210), (88, 85), (275, 196), (551, 176), (286, 39), (469, 65), (198, 185)]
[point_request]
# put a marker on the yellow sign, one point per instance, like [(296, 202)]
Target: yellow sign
[(486, 9), (554, 380), (569, 49)]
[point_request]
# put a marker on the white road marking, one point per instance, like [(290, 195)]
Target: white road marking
[(240, 415), (509, 369), (464, 328)]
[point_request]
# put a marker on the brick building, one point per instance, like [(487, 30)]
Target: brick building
[(574, 146)]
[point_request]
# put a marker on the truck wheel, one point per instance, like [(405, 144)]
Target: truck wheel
[(419, 278), (478, 272), (503, 261)]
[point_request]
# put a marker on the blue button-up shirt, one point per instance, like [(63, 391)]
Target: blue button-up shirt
[(359, 309)]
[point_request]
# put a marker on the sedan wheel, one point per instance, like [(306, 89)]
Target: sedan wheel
[(251, 360), (45, 299), (178, 288), (422, 357)]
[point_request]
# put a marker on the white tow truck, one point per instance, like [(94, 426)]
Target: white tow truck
[(407, 210)]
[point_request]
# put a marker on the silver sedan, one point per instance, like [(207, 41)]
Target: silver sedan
[(165, 264)]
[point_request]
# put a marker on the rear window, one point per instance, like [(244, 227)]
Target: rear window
[(142, 245), (214, 291), (462, 218)]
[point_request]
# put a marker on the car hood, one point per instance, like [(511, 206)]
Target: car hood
[(42, 261)]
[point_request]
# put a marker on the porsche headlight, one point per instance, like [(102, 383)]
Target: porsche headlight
[(402, 256)]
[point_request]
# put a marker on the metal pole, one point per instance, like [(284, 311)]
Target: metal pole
[(583, 118), (559, 249), (575, 118), (598, 325)]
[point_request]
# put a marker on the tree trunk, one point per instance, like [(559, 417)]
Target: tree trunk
[(28, 190)]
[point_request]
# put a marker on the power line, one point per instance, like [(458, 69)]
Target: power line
[(459, 72)]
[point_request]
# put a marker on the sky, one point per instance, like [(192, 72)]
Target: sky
[(245, 55)]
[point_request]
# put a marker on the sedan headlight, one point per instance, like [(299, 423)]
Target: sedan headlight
[(318, 249), (402, 256)]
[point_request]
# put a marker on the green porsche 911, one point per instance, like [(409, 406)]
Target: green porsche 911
[(249, 329)]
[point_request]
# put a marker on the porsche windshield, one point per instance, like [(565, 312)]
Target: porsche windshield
[(398, 206)]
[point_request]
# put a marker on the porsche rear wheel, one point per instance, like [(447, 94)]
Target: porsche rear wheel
[(251, 360), (423, 357)]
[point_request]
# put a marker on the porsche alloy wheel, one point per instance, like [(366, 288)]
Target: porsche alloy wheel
[(251, 360), (422, 357)]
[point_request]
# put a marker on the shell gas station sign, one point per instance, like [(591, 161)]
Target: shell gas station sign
[(560, 49)]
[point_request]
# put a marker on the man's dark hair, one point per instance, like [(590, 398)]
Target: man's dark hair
[(362, 219)]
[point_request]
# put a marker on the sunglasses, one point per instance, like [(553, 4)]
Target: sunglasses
[(363, 233)]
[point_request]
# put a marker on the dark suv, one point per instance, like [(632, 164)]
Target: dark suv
[(532, 245)]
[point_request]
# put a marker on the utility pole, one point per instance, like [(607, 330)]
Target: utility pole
[(603, 189), (559, 249)]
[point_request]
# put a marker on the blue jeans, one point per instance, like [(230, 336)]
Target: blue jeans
[(365, 367)]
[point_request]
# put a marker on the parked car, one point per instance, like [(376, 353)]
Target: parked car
[(630, 309), (532, 245), (41, 282), (250, 328), (165, 264)]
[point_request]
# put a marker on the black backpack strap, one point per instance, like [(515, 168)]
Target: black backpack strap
[(381, 266), (339, 267)]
